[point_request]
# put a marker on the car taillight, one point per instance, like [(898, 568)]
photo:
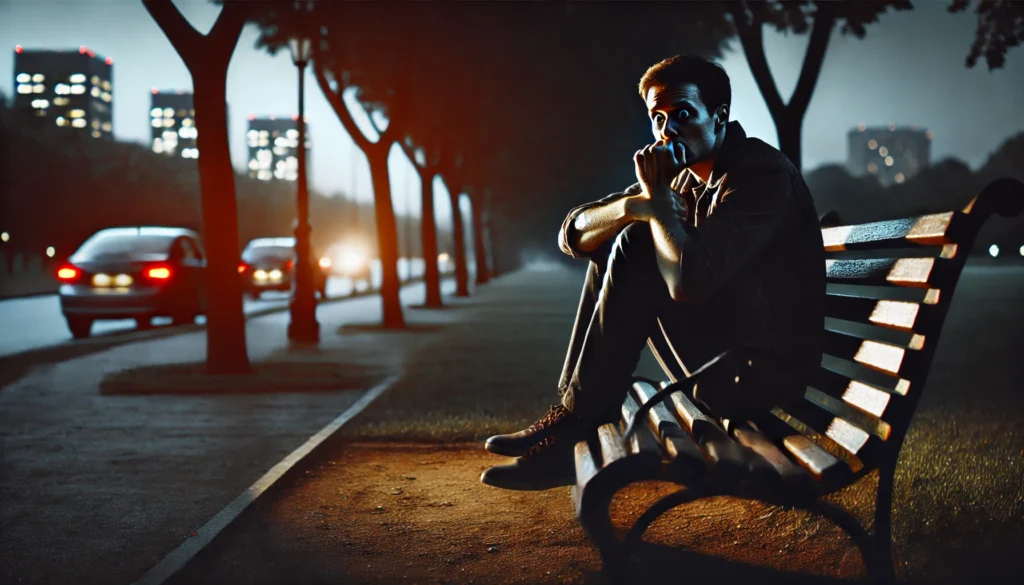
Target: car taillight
[(68, 273), (242, 267), (158, 272), (288, 265)]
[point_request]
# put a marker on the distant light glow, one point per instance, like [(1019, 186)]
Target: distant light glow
[(883, 151), (993, 250), (6, 237), (38, 88), (50, 251), (872, 144), (325, 262), (892, 127), (78, 89), (159, 273), (81, 50), (18, 49), (23, 78), (900, 177), (79, 123), (1021, 248), (109, 61), (861, 126), (889, 161), (61, 101), (77, 78)]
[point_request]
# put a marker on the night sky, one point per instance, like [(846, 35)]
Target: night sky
[(908, 70)]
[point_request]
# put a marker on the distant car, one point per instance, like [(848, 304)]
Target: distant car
[(268, 264), (351, 262), (133, 272)]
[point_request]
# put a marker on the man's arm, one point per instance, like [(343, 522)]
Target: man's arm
[(697, 261), (589, 226)]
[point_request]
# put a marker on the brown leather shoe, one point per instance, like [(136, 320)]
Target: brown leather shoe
[(548, 464), (557, 419)]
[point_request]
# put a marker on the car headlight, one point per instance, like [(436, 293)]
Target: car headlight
[(260, 275), (275, 274)]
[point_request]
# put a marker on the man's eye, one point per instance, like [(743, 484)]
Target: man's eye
[(683, 115), (658, 118)]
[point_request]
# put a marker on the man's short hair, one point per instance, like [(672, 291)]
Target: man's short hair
[(710, 78)]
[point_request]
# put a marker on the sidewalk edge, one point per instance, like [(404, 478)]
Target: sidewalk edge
[(180, 556)]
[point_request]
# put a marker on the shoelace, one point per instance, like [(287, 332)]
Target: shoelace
[(539, 448), (553, 415)]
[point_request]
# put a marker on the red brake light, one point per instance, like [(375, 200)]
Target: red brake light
[(158, 272), (68, 273), (288, 265), (242, 267)]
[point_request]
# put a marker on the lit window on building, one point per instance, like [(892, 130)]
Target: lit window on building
[(900, 177), (95, 79), (187, 122), (77, 89), (883, 151), (872, 168), (107, 86), (78, 123), (157, 122), (61, 121), (107, 127), (105, 97), (158, 145), (77, 78), (96, 134), (168, 122), (61, 101), (38, 88), (156, 113), (181, 113), (192, 112), (76, 113), (95, 124), (24, 88), (293, 133), (23, 78), (253, 165), (40, 103), (95, 91), (38, 78), (888, 161), (168, 112), (62, 89), (872, 144)]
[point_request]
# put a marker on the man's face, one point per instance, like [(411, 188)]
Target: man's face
[(678, 115)]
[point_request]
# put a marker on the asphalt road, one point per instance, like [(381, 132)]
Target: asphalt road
[(34, 322)]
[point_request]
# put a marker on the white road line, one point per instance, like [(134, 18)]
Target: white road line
[(177, 559)]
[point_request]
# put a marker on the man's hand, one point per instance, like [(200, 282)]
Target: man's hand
[(658, 164)]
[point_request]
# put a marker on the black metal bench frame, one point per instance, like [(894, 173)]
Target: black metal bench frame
[(890, 285)]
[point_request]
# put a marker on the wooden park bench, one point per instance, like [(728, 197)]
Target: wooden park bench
[(889, 288)]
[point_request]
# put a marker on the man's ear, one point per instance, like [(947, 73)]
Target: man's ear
[(721, 116)]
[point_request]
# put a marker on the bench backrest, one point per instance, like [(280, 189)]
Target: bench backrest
[(889, 289)]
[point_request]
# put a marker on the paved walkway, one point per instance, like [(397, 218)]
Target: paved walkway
[(97, 488)]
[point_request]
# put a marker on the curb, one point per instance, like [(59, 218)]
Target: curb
[(199, 539)]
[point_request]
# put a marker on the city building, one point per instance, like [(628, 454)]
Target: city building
[(890, 153), (273, 148), (72, 88), (172, 123)]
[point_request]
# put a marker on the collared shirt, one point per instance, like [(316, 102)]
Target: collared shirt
[(753, 251)]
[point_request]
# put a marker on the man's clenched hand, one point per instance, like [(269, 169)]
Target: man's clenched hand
[(657, 165)]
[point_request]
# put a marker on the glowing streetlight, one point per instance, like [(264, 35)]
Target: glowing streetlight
[(50, 251), (6, 237), (1022, 250), (993, 250)]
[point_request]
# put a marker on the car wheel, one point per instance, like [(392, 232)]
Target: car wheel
[(79, 326)]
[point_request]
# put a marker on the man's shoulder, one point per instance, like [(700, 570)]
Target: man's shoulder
[(754, 155)]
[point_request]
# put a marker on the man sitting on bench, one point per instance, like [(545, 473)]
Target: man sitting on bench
[(716, 247)]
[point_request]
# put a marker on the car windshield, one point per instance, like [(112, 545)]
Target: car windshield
[(124, 246), (255, 253)]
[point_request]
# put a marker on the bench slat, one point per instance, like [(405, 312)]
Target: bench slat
[(792, 477), (825, 468), (643, 441), (883, 357), (730, 461), (685, 455), (910, 272), (926, 230), (898, 315), (612, 448), (854, 371), (867, 331), (871, 424), (859, 395), (586, 465), (925, 296), (814, 430)]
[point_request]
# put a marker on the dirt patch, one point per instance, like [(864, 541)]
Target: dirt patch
[(408, 513), (266, 378)]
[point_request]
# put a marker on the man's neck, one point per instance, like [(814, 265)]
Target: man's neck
[(702, 169)]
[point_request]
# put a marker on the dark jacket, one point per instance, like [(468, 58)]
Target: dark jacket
[(754, 250)]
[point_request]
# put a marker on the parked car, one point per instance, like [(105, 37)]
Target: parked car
[(133, 272), (268, 264)]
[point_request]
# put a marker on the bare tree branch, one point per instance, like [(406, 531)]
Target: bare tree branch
[(824, 23), (340, 109), (185, 39), (752, 40)]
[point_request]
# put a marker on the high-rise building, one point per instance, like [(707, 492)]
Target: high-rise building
[(72, 88), (892, 154), (172, 118), (273, 148)]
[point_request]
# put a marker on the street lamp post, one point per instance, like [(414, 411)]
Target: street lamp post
[(303, 326)]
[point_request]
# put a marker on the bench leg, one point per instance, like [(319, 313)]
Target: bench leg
[(594, 514), (883, 524)]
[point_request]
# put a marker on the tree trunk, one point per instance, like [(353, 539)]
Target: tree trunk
[(387, 237), (459, 235), (483, 274), (789, 128), (428, 231)]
